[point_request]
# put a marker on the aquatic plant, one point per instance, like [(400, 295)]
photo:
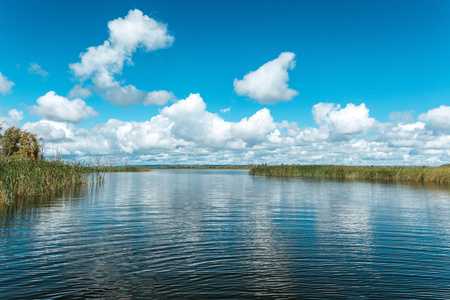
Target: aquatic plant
[(439, 174), (21, 177)]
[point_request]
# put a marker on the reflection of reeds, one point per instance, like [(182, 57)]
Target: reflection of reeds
[(22, 177), (422, 174)]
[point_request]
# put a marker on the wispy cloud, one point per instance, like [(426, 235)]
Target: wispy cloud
[(34, 68)]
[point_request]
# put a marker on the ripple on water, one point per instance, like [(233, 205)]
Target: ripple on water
[(224, 234)]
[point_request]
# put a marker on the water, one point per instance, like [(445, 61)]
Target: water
[(224, 234)]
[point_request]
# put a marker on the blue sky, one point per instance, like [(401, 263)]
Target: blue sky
[(354, 82)]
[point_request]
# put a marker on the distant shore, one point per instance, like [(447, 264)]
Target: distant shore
[(107, 169), (440, 174), (220, 167), (113, 169)]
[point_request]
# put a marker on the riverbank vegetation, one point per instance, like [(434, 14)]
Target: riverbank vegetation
[(439, 174), (25, 172), (24, 177)]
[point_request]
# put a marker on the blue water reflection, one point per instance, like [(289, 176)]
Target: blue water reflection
[(225, 234)]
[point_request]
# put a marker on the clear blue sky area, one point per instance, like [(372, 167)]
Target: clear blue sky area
[(391, 56)]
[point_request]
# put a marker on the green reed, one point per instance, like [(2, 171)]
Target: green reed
[(24, 177), (439, 174)]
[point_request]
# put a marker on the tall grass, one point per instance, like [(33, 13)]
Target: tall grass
[(24, 177), (422, 174)]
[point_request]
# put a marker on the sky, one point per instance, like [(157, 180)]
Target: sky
[(230, 82)]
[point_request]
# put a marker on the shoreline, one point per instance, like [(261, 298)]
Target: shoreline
[(440, 174)]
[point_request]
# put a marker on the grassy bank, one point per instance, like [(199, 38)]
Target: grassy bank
[(421, 174), (24, 177)]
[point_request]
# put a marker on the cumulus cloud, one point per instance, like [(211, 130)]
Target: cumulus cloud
[(437, 119), (34, 68), (57, 108), (13, 118), (5, 84), (269, 84), (192, 122), (102, 63), (185, 132), (255, 129), (52, 131), (184, 127), (15, 115), (137, 29), (351, 120)]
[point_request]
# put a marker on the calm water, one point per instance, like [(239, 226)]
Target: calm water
[(225, 234)]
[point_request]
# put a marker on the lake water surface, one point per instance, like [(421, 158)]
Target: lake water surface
[(224, 234)]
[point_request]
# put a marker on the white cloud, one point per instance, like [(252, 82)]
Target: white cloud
[(225, 110), (137, 30), (190, 121), (437, 119), (123, 95), (351, 120), (128, 95), (5, 85), (57, 108), (51, 131), (185, 127), (159, 97), (102, 63), (79, 92), (320, 112), (34, 68), (13, 118), (187, 133), (269, 84), (255, 129), (15, 115)]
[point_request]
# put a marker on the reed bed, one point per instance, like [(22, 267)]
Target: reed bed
[(439, 174), (24, 177)]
